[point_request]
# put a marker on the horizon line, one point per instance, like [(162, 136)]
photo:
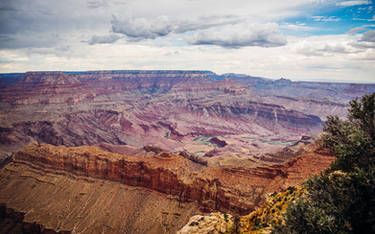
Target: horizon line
[(317, 80)]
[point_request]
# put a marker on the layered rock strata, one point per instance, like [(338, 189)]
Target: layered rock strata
[(167, 108), (237, 190)]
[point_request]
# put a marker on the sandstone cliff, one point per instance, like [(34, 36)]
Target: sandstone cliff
[(237, 190), (168, 179)]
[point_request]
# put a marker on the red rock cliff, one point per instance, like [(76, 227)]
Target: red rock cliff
[(236, 190)]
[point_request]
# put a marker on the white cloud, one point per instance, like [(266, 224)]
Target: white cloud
[(369, 36), (353, 3), (326, 19), (263, 35), (297, 27), (349, 44), (366, 41), (155, 34), (137, 29), (141, 28)]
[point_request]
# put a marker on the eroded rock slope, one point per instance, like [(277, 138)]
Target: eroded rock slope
[(87, 189)]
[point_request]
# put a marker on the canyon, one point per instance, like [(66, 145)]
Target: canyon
[(174, 110), (87, 189), (143, 151)]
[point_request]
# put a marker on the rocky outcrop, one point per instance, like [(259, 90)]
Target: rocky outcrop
[(62, 201), (193, 158), (44, 177), (218, 142), (259, 221), (213, 223), (236, 190)]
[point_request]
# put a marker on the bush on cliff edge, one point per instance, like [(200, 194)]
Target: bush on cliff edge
[(342, 199)]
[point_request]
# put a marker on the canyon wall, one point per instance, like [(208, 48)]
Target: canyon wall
[(236, 190), (86, 189), (169, 109)]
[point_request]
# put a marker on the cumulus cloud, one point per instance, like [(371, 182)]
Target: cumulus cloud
[(327, 46), (360, 46), (353, 3), (137, 29), (367, 40), (368, 36), (262, 35), (206, 22), (142, 28)]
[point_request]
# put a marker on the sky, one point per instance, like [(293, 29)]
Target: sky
[(315, 40)]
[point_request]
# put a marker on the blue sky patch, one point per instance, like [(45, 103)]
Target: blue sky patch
[(324, 19)]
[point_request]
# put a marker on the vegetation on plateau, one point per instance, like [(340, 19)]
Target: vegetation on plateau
[(342, 198)]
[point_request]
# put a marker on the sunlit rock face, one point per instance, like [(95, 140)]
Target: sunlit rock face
[(88, 189)]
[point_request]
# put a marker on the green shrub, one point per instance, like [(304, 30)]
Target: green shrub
[(342, 199), (352, 140), (226, 217)]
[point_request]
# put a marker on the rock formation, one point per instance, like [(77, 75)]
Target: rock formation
[(42, 171), (142, 151), (168, 109)]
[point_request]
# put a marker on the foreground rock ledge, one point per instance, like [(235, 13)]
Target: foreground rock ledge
[(86, 189)]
